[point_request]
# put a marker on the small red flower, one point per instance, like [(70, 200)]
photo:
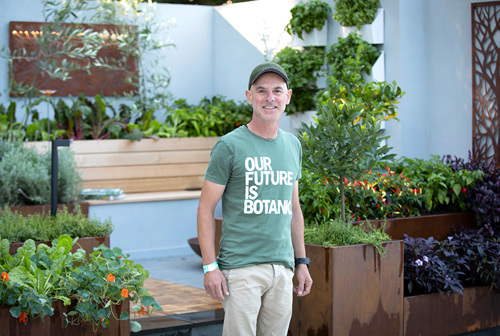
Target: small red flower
[(22, 318), (124, 293), (5, 276), (142, 311), (463, 190), (111, 277)]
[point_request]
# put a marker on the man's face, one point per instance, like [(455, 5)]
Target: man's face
[(268, 96)]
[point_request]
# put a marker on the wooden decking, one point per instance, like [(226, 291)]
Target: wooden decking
[(183, 306)]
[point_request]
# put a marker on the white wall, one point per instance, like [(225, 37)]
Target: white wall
[(191, 60), (429, 54)]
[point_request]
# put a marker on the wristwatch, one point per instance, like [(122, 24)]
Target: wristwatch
[(299, 261)]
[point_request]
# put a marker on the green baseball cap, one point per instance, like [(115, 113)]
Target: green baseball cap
[(267, 67)]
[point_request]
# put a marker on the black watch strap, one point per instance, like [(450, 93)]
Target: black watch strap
[(299, 261)]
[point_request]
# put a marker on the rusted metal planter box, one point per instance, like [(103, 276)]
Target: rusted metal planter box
[(436, 314), (355, 292), (54, 325), (44, 209), (438, 226)]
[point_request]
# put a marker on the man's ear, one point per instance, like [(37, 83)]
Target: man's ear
[(289, 96), (249, 96)]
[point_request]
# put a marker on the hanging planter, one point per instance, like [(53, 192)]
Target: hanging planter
[(308, 25), (372, 33), (314, 38)]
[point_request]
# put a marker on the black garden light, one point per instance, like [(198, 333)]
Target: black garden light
[(54, 166)]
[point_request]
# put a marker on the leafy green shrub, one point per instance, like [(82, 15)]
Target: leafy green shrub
[(350, 59), (303, 67), (345, 141), (355, 12), (87, 119), (407, 187), (211, 117), (372, 195), (339, 233), (307, 16), (17, 228), (444, 189), (25, 176), (318, 203)]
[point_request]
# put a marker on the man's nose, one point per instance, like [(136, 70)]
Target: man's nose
[(270, 96)]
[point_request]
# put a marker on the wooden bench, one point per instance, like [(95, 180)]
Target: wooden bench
[(146, 170)]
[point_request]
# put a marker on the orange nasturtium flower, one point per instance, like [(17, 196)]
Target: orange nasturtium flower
[(125, 293), (5, 276), (22, 318), (142, 311), (111, 277)]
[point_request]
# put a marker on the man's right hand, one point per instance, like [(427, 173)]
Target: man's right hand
[(215, 284)]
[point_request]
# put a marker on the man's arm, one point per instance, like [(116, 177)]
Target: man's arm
[(214, 281), (301, 271)]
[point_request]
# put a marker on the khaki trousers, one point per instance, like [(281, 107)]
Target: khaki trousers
[(259, 302)]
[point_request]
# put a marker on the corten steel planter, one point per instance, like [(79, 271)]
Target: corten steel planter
[(26, 210), (86, 243), (10, 326), (355, 292), (116, 327), (437, 226), (436, 314), (54, 325)]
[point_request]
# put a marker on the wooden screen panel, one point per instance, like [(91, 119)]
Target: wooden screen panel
[(486, 81), (106, 82), (160, 184)]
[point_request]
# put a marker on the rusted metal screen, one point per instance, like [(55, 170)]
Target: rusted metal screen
[(486, 81), (107, 81)]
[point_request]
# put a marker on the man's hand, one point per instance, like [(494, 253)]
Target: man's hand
[(215, 284), (304, 280)]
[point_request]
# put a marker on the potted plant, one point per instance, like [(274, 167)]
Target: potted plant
[(343, 257), (345, 141), (67, 289), (308, 17)]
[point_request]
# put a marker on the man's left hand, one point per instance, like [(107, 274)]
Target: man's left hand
[(304, 280)]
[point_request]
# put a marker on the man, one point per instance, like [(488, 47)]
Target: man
[(255, 170)]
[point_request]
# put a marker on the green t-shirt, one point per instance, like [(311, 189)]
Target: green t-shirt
[(259, 175)]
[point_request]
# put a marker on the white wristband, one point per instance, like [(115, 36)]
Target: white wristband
[(210, 267)]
